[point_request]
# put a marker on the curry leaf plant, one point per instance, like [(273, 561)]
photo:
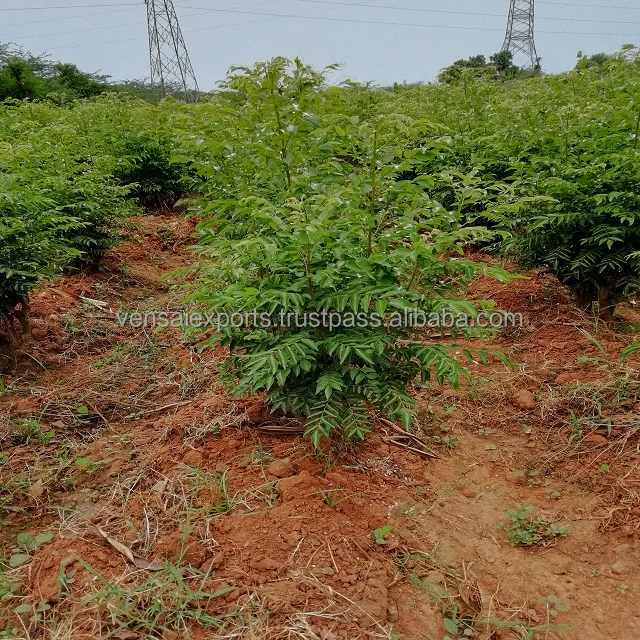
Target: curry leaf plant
[(59, 203), (257, 134), (32, 249), (351, 239)]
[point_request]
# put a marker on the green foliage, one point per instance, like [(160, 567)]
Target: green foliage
[(597, 60), (60, 204), (630, 351), (146, 165), (587, 237), (18, 80), (570, 142), (171, 600), (500, 65), (525, 530), (381, 533), (24, 547), (32, 249), (337, 198), (76, 83), (318, 220), (25, 76)]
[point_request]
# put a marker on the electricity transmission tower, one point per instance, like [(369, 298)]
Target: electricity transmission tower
[(519, 38), (171, 68)]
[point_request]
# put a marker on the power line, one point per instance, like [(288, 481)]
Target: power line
[(83, 15), (64, 33), (392, 24), (351, 20), (323, 2), (446, 11), (126, 24), (71, 6), (400, 24), (129, 4), (340, 4), (220, 26), (585, 6)]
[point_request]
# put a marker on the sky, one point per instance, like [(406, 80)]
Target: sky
[(382, 41)]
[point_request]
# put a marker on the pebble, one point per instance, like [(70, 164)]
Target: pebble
[(392, 612), (468, 492), (620, 566), (524, 399), (192, 458), (281, 468)]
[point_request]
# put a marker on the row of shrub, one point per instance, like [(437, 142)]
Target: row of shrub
[(315, 197), (354, 199), (69, 178)]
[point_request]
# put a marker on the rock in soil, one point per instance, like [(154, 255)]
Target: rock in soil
[(280, 468), (524, 399)]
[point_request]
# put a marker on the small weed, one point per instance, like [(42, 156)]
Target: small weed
[(531, 477), (447, 438), (525, 530), (576, 430), (260, 455), (6, 387), (215, 487), (25, 546), (30, 429), (9, 587), (552, 494), (462, 618), (554, 607), (145, 353), (12, 488), (224, 502), (604, 468), (88, 465), (169, 600), (265, 492), (331, 497), (381, 533), (408, 509)]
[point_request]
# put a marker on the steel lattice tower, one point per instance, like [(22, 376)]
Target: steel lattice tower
[(519, 38), (171, 68)]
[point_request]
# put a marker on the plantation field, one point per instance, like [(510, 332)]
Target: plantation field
[(146, 464), (300, 481)]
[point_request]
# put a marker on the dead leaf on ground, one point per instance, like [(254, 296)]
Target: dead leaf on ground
[(36, 489), (141, 563), (160, 486)]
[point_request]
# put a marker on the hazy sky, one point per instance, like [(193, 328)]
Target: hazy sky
[(415, 38)]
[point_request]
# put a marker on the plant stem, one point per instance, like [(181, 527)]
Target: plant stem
[(307, 262), (283, 146), (414, 274), (372, 203)]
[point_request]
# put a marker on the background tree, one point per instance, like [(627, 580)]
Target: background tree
[(499, 66)]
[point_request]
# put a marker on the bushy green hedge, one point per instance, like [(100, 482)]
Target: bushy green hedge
[(156, 182), (59, 200)]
